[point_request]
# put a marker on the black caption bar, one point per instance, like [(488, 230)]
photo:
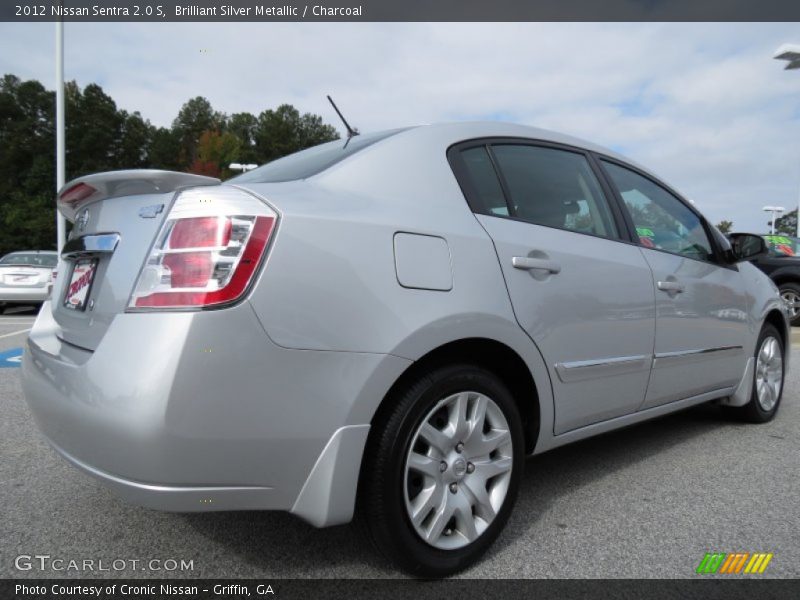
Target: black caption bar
[(389, 589), (400, 10)]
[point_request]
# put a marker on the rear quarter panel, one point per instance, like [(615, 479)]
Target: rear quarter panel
[(330, 282)]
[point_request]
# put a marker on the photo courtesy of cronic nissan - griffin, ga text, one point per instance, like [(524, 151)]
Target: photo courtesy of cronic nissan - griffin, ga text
[(385, 327)]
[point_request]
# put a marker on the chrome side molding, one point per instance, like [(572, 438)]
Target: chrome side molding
[(98, 243), (668, 359), (580, 370)]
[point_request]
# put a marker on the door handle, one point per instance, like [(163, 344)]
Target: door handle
[(671, 287), (526, 263)]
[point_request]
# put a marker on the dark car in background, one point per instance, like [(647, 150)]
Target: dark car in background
[(782, 264)]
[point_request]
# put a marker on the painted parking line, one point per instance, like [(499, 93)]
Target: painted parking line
[(10, 358), (13, 333)]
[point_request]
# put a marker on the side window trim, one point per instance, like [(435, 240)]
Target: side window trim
[(459, 170), (717, 252), (621, 215), (462, 175), (512, 211)]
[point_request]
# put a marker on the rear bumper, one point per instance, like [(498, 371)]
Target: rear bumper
[(23, 294), (178, 498), (201, 411)]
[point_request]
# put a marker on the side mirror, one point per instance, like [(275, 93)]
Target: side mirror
[(747, 246)]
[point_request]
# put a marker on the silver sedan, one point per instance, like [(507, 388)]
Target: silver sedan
[(26, 277), (389, 324)]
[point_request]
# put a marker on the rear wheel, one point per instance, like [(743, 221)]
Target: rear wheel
[(767, 378), (442, 469), (790, 294)]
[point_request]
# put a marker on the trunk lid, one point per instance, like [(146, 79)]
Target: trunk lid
[(116, 215), (13, 276)]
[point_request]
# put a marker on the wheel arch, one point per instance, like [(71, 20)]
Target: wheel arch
[(495, 356), (777, 319), (786, 275)]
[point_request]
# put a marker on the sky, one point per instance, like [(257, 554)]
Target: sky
[(703, 105)]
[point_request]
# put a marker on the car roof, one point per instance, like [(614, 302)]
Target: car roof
[(452, 133)]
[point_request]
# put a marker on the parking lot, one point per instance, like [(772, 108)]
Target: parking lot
[(648, 501)]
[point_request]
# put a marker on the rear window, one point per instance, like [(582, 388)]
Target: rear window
[(311, 161), (30, 259)]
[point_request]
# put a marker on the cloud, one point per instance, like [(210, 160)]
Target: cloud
[(701, 104)]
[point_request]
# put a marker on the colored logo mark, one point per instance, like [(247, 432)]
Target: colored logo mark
[(11, 358), (734, 563)]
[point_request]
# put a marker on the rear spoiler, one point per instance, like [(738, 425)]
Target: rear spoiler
[(113, 184)]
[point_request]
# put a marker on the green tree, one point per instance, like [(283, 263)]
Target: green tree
[(787, 224), (27, 165), (725, 226), (93, 130), (135, 143), (195, 117), (101, 137), (282, 131), (243, 126), (165, 150), (215, 151)]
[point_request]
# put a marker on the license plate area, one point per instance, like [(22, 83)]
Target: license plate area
[(20, 278), (80, 284)]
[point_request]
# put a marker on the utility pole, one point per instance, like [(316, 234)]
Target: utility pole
[(61, 225)]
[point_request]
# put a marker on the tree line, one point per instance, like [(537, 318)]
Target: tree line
[(102, 137)]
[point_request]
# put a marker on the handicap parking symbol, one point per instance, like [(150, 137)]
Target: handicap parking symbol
[(11, 358)]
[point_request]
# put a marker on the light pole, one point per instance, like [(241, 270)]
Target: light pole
[(775, 210), (244, 168), (61, 226), (791, 54)]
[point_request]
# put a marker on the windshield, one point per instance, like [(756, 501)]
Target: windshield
[(30, 259), (311, 161), (783, 245)]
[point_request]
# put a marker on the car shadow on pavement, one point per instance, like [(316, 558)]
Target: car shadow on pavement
[(279, 543), (564, 470)]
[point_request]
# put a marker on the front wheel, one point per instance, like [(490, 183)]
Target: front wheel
[(442, 469), (790, 294), (767, 378)]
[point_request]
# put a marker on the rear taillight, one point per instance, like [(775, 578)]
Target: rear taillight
[(207, 252), (51, 282)]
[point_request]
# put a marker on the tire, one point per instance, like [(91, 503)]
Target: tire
[(790, 294), (768, 377), (391, 489)]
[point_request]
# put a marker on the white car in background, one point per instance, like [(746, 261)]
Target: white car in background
[(26, 277)]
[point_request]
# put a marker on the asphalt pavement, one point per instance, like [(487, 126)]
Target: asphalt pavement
[(648, 501)]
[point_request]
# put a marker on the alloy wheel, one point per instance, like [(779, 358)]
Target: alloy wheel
[(458, 470), (769, 373), (791, 300)]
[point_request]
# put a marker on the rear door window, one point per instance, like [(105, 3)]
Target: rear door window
[(555, 188)]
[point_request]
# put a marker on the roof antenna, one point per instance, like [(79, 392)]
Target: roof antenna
[(350, 131)]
